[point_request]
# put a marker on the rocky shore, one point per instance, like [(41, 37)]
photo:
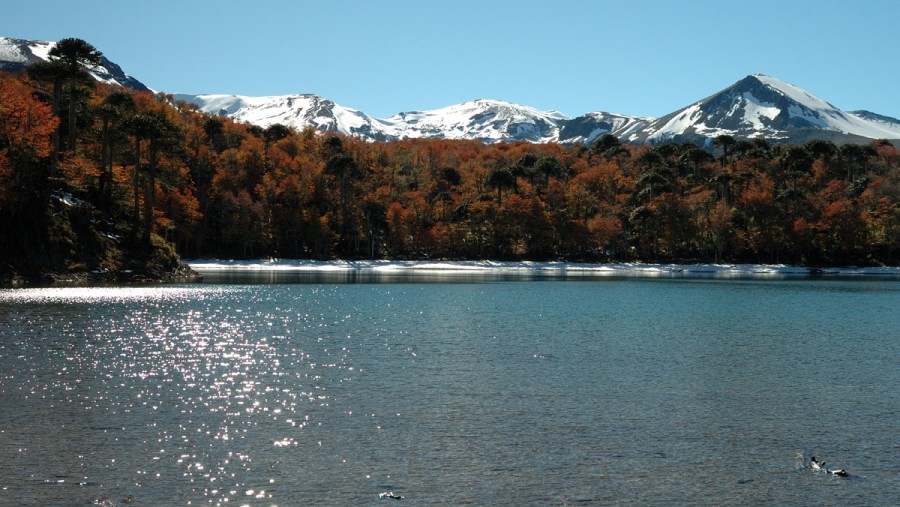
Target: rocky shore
[(11, 276)]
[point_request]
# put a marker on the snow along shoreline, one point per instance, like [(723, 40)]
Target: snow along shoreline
[(533, 268)]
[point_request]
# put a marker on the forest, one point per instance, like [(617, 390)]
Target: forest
[(97, 177)]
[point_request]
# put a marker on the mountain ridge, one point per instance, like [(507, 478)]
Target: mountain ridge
[(755, 106)]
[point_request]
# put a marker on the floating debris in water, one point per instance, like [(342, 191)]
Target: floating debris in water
[(389, 494)]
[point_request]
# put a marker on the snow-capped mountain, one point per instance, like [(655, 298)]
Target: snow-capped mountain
[(485, 120), (16, 54), (756, 106), (297, 111), (762, 106)]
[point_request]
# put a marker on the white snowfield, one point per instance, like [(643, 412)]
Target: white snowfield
[(534, 268)]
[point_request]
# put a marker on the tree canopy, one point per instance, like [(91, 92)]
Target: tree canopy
[(142, 170)]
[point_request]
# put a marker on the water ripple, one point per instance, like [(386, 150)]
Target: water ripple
[(534, 393)]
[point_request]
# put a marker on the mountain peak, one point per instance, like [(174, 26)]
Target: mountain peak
[(763, 106), (794, 93)]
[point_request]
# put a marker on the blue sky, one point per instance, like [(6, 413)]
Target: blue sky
[(643, 58)]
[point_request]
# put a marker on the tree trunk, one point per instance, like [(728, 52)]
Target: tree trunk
[(55, 138), (136, 181), (72, 128), (150, 193)]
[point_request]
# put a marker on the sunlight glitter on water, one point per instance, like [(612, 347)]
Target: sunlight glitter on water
[(104, 294), (192, 372), (524, 394)]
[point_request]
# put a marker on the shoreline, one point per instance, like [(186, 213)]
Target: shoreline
[(200, 270), (10, 277), (533, 268)]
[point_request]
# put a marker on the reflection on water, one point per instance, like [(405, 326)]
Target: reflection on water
[(491, 393), (474, 272), (380, 271), (230, 276)]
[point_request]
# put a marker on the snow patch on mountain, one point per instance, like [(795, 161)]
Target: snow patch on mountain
[(679, 123), (755, 110), (16, 53)]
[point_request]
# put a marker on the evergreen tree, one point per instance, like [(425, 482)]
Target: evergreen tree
[(73, 55)]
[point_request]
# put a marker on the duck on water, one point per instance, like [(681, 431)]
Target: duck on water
[(820, 465)]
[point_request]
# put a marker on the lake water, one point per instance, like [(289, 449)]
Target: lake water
[(478, 392)]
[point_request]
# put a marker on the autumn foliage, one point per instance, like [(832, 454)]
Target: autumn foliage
[(145, 169)]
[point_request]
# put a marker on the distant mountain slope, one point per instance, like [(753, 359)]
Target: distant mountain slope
[(16, 54), (588, 128)]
